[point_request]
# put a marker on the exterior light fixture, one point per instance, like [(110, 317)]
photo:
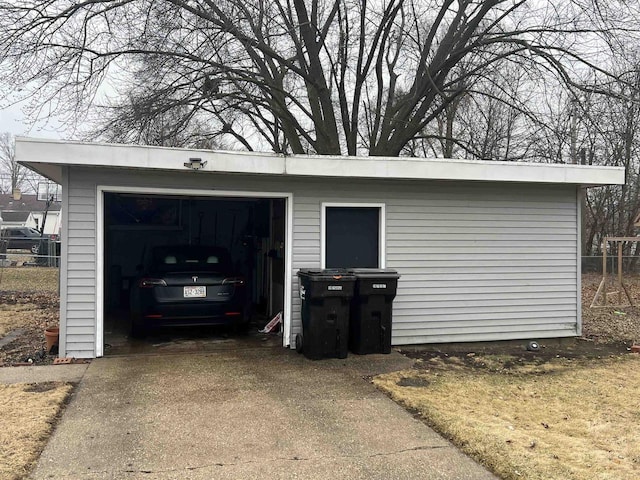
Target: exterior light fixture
[(195, 164)]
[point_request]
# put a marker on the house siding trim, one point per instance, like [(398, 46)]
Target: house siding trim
[(63, 274), (99, 313), (102, 189), (579, 203)]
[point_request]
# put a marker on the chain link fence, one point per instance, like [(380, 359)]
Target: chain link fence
[(45, 254), (630, 264)]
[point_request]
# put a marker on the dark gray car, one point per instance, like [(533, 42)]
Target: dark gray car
[(22, 238), (186, 285)]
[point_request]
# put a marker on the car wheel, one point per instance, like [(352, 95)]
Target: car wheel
[(35, 248), (299, 343)]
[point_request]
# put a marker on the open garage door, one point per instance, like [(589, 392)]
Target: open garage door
[(189, 269)]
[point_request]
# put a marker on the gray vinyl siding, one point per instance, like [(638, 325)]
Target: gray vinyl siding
[(80, 284), (479, 261), (484, 262)]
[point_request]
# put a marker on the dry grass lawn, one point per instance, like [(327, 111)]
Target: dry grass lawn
[(26, 279), (15, 316), (28, 415), (564, 419)]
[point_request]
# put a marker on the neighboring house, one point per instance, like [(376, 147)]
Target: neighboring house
[(26, 210), (53, 221), (16, 219), (485, 250)]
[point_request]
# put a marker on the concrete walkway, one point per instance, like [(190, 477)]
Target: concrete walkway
[(244, 414), (43, 373)]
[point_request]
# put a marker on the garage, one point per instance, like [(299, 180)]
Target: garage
[(485, 250), (247, 235)]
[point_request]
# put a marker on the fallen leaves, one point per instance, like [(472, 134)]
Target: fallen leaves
[(27, 314)]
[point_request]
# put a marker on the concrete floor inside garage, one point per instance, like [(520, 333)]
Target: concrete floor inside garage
[(118, 341)]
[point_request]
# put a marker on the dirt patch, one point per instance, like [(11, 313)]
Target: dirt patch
[(40, 387), (413, 382), (27, 314), (29, 414), (615, 323), (509, 355)]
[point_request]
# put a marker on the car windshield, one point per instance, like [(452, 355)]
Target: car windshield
[(190, 259)]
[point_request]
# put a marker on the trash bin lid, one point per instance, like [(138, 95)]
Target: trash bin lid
[(374, 272), (332, 274)]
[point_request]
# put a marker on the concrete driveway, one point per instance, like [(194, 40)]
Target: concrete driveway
[(242, 414)]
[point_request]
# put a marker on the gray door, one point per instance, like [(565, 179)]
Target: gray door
[(352, 237)]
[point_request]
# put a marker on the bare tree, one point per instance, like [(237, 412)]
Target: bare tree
[(492, 120), (332, 77), (168, 129), (601, 130), (14, 175)]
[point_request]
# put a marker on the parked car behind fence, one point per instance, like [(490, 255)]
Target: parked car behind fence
[(22, 238)]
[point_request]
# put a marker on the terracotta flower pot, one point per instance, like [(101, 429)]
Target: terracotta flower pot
[(52, 337)]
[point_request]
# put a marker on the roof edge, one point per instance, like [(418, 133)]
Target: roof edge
[(39, 153)]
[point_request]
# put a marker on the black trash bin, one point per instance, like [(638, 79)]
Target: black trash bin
[(371, 310), (326, 298)]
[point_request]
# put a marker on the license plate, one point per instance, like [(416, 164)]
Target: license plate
[(195, 292)]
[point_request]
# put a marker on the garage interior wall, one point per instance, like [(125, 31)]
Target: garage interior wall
[(479, 261)]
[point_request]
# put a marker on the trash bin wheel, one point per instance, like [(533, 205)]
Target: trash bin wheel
[(299, 343)]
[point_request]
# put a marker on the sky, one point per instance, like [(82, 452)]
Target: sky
[(12, 120)]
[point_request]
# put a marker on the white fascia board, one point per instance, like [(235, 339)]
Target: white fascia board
[(34, 151), (451, 169), (38, 153)]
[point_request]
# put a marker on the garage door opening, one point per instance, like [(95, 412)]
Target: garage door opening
[(183, 272)]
